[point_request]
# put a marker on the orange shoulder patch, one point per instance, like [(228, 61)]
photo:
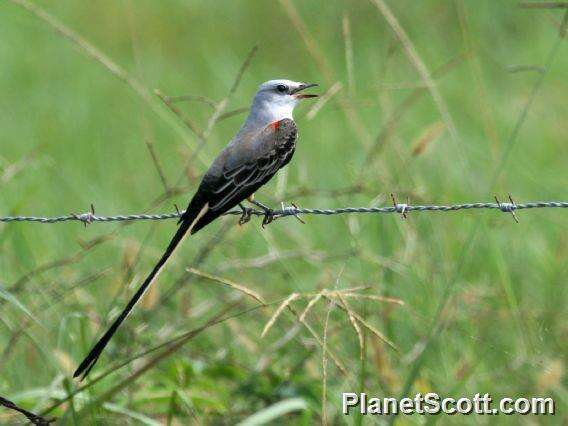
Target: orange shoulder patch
[(275, 125)]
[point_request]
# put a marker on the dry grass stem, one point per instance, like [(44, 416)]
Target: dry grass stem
[(353, 322), (188, 123), (395, 118), (158, 165), (375, 331), (278, 311), (353, 120), (309, 306), (375, 297), (416, 60), (232, 113), (331, 295), (350, 289), (334, 357), (94, 53), (485, 106), (229, 283), (428, 135), (197, 98), (217, 113), (222, 105), (543, 5), (369, 327), (336, 87), (324, 364), (349, 62)]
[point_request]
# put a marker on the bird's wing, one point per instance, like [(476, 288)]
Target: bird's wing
[(249, 164)]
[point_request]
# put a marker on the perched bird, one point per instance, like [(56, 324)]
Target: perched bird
[(264, 144)]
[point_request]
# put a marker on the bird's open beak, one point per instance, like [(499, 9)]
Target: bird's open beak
[(301, 87)]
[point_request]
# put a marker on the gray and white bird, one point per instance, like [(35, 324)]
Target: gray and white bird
[(264, 144)]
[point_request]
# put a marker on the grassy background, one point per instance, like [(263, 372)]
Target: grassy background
[(486, 296)]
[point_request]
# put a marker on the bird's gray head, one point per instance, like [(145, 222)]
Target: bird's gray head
[(276, 99)]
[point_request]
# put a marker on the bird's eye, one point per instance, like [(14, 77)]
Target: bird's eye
[(282, 88)]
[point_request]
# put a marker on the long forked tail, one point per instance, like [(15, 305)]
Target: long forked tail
[(90, 360)]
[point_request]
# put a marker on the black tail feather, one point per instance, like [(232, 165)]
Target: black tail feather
[(91, 359)]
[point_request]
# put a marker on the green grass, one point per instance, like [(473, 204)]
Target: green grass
[(74, 134)]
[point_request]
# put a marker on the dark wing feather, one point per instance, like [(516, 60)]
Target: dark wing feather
[(241, 185)]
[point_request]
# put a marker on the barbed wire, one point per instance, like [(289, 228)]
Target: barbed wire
[(294, 211)]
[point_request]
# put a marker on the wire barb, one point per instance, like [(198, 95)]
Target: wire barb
[(86, 218), (508, 207), (400, 208), (292, 211)]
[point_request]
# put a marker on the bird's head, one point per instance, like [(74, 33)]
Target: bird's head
[(277, 98)]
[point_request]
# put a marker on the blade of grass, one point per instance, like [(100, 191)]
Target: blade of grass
[(271, 413), (10, 298), (424, 73), (139, 417), (218, 112), (349, 62), (526, 108), (332, 91), (485, 107), (404, 107), (217, 319), (170, 350), (437, 323), (94, 53), (353, 120)]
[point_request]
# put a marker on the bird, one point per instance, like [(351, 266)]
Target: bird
[(264, 144)]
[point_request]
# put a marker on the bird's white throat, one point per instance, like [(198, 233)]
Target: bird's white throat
[(267, 108), (266, 112)]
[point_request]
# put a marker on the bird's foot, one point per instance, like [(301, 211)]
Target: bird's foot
[(268, 212), (245, 217), (268, 217)]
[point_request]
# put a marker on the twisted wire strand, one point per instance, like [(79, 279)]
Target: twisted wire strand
[(400, 208)]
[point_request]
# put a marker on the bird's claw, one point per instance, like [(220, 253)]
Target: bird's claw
[(246, 215), (268, 217)]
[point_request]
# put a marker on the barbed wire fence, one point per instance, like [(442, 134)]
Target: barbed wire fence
[(294, 211)]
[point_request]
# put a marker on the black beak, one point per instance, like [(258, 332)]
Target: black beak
[(304, 86)]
